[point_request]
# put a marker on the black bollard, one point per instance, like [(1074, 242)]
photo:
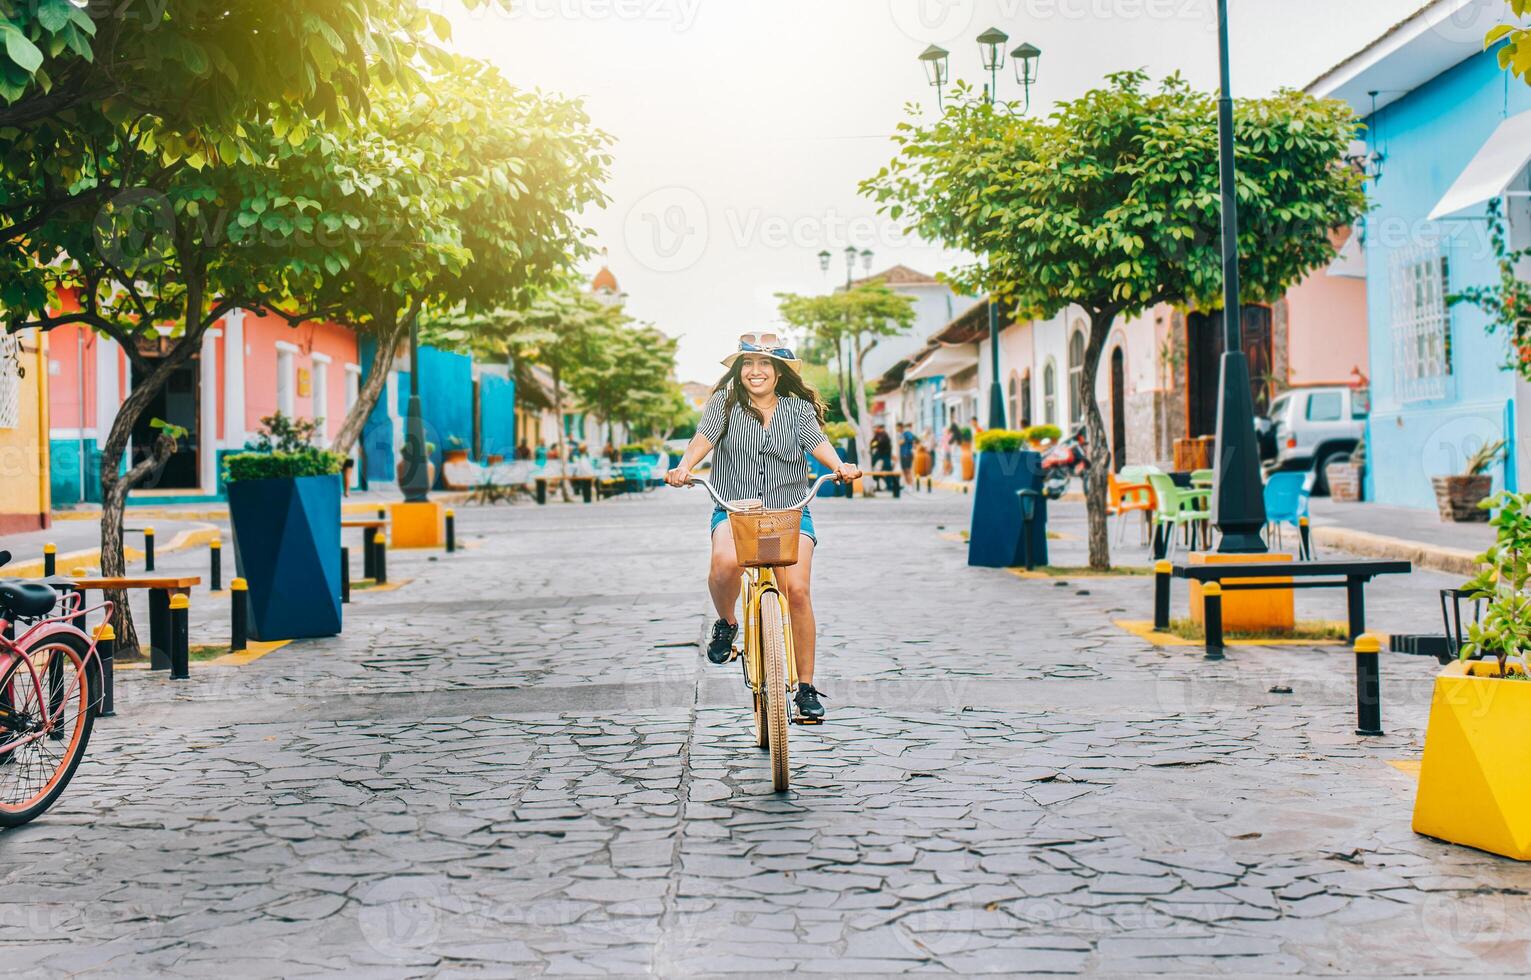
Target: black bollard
[(239, 615), (1028, 499), (215, 556), (369, 552), (1368, 685), (1212, 608), (1162, 595), (148, 549), (180, 637), (106, 652), (345, 574), (380, 560), (50, 559), (382, 513), (452, 530), (1305, 533)]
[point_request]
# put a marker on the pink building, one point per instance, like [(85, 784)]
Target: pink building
[(249, 366)]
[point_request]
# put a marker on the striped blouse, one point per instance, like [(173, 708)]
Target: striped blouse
[(753, 461)]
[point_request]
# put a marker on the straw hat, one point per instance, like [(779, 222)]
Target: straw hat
[(767, 344)]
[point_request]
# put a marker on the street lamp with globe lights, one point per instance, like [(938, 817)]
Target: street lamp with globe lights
[(991, 53)]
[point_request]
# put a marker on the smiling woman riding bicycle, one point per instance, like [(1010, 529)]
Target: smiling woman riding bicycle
[(763, 421)]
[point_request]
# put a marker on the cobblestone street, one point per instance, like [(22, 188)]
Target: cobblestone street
[(520, 763)]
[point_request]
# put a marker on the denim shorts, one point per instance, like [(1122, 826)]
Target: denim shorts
[(719, 515)]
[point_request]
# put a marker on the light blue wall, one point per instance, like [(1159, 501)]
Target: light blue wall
[(446, 398), (1429, 137), (497, 415)]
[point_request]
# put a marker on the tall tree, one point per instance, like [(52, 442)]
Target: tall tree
[(1111, 204), (626, 374), (851, 322)]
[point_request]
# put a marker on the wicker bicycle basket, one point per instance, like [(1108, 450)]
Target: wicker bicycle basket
[(766, 538)]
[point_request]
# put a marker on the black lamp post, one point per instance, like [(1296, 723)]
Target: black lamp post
[(1238, 500), (991, 53), (417, 479)]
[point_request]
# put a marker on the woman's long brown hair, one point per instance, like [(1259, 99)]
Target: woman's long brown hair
[(788, 382)]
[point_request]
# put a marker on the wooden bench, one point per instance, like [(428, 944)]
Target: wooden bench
[(894, 478), (160, 588), (369, 528), (1351, 575), (584, 485)]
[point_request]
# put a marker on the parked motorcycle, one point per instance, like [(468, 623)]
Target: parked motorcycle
[(1069, 458)]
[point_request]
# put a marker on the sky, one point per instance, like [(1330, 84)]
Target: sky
[(743, 127)]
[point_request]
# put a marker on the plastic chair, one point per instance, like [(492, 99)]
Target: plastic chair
[(1127, 493), (1202, 478), (1286, 499), (1177, 507)]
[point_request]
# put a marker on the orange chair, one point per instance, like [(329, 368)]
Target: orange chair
[(1127, 495)]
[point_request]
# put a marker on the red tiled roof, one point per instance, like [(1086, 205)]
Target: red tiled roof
[(900, 275)]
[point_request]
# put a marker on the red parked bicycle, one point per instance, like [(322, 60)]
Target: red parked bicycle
[(50, 691)]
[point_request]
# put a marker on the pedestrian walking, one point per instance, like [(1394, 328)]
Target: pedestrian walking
[(882, 453), (906, 440)]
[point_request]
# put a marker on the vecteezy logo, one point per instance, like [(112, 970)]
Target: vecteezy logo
[(133, 229), (667, 230), (931, 20), (401, 916), (1469, 23)]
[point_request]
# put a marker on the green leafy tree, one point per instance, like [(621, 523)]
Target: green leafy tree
[(852, 323), (626, 377), (1112, 204), (1507, 304), (1515, 55)]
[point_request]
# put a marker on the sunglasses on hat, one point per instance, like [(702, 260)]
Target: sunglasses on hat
[(765, 343)]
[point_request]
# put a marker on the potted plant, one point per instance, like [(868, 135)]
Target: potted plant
[(1457, 497), (284, 505), (1344, 476), (1471, 790), (1005, 467), (402, 466), (1042, 436), (457, 450)]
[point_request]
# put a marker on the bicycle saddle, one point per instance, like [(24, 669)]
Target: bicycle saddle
[(20, 598)]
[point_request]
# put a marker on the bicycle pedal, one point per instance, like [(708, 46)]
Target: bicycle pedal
[(807, 721)]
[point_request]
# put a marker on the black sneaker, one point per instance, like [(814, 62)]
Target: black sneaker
[(721, 647), (807, 700)]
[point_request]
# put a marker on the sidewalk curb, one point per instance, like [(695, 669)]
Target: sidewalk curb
[(1368, 545), (191, 537)]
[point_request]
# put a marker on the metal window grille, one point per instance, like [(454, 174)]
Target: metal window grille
[(10, 381), (1421, 323)]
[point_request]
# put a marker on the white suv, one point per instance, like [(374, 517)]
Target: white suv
[(1309, 428)]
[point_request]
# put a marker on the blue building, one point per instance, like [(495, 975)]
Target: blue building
[(1447, 132)]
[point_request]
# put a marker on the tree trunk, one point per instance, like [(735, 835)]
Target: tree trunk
[(371, 391), (1100, 459), (563, 449), (842, 378), (863, 416), (115, 486)]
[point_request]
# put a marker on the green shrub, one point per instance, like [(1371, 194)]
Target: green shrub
[(1001, 441), (1041, 433), (634, 449), (1504, 630), (280, 465), (837, 432)]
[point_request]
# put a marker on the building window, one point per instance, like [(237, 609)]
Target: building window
[(1025, 416), (10, 380), (1076, 377), (1050, 394), (1421, 324), (1015, 414)]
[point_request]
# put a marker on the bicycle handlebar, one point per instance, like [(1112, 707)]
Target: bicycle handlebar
[(697, 481)]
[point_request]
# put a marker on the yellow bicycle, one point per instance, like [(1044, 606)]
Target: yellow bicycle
[(765, 540)]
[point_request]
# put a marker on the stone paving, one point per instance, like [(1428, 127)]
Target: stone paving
[(520, 764)]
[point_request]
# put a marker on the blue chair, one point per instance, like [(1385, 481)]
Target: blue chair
[(1286, 500)]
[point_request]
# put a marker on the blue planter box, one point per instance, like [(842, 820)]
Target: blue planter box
[(287, 549), (994, 536)]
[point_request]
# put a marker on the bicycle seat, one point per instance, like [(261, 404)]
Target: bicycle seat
[(20, 598)]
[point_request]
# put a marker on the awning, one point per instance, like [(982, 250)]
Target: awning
[(1498, 162), (943, 361)]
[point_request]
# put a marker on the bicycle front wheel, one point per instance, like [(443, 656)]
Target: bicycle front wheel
[(49, 713), (773, 645)]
